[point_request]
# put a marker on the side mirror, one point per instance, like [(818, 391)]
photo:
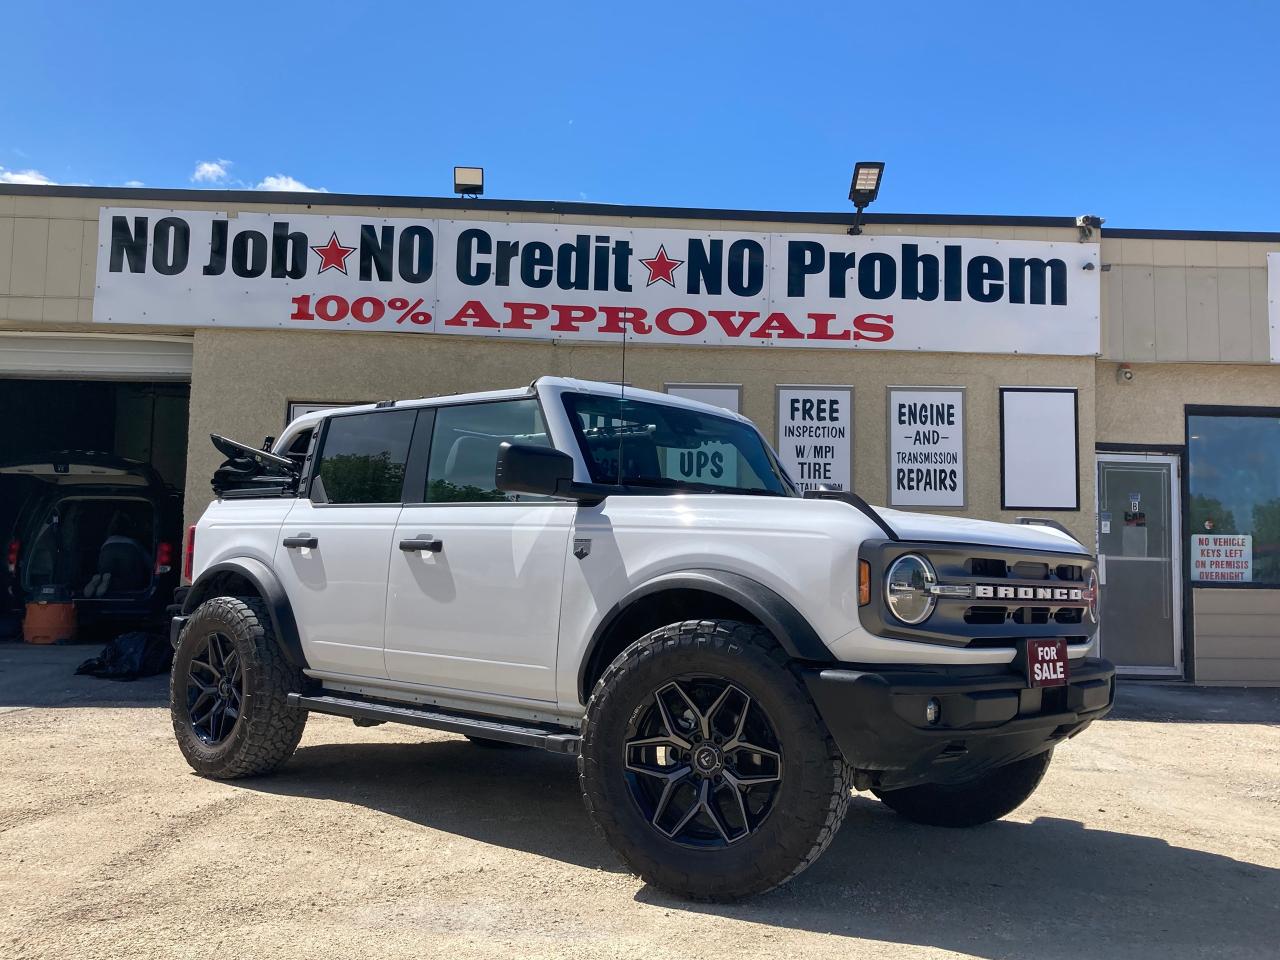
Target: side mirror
[(545, 471)]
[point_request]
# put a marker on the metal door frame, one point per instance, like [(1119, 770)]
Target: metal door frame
[(1175, 560)]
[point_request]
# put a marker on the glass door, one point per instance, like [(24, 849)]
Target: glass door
[(1140, 563)]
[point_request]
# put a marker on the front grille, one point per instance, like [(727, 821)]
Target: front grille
[(989, 596), (1040, 574)]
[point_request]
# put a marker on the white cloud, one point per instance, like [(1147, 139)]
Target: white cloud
[(210, 171), (134, 183), (284, 182), (33, 177)]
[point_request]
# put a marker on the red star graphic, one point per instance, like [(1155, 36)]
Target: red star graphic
[(333, 254), (661, 267)]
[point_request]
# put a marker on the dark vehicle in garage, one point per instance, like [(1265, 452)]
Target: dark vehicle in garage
[(98, 530)]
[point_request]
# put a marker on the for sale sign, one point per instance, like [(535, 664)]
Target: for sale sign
[(595, 282), (926, 447), (815, 436), (1225, 558)]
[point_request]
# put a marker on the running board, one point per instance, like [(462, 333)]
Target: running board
[(556, 741)]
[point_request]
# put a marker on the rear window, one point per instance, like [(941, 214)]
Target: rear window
[(363, 457)]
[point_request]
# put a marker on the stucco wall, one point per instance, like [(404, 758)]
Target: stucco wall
[(1149, 408), (243, 381)]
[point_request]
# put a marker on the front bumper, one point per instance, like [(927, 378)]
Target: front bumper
[(988, 717)]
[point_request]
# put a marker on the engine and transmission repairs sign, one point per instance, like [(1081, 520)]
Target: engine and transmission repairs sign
[(1222, 557), (815, 436), (595, 283), (926, 447)]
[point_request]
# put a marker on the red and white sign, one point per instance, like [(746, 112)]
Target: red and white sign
[(1222, 557), (1046, 663), (596, 282)]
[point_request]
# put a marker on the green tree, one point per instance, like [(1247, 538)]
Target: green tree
[(1209, 508)]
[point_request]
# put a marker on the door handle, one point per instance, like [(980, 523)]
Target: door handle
[(424, 543), (305, 540)]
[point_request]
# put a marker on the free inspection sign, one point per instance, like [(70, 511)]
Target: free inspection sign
[(815, 435), (595, 282)]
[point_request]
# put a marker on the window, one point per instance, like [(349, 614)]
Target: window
[(363, 458), (297, 451), (643, 444), (1233, 463), (464, 449)]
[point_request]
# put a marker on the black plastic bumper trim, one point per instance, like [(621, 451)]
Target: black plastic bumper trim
[(877, 717)]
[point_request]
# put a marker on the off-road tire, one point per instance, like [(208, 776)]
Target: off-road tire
[(974, 802), (268, 729), (491, 744), (813, 792)]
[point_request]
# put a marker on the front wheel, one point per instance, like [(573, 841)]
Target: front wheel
[(705, 764), (228, 692), (973, 802)]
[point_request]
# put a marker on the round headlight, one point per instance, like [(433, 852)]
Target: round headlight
[(907, 588)]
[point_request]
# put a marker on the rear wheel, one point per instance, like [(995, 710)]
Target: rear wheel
[(974, 802), (228, 691), (705, 765)]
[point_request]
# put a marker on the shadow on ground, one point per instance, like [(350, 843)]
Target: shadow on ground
[(1181, 703), (44, 676), (1051, 888)]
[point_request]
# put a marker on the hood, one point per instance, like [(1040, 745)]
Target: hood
[(944, 529)]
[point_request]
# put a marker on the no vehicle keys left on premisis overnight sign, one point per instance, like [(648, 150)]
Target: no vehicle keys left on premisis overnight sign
[(596, 283)]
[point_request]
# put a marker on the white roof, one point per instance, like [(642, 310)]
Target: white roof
[(556, 384)]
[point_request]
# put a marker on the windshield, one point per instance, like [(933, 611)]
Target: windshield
[(642, 444)]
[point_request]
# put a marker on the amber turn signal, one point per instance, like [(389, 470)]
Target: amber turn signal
[(864, 583)]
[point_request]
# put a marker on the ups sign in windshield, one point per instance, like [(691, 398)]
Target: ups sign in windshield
[(597, 283)]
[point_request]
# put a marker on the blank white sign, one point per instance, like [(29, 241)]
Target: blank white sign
[(1040, 462), (718, 395)]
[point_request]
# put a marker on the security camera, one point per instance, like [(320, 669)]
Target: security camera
[(1124, 374)]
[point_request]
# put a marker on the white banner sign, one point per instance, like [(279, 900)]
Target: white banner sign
[(1225, 557), (595, 283), (815, 436), (926, 447)]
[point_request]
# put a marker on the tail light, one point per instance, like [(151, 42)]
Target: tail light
[(164, 557), (15, 548), (864, 583), (189, 555)]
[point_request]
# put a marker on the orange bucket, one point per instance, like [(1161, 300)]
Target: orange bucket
[(49, 622)]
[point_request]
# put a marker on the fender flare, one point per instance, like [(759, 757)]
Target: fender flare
[(268, 585), (792, 631)]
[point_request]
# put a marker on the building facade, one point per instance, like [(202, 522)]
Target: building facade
[(1120, 383)]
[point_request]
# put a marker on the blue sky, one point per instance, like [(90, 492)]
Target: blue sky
[(1147, 114)]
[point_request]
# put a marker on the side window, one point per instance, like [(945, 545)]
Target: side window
[(297, 451), (363, 458), (464, 448)]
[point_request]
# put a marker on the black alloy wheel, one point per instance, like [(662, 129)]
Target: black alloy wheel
[(215, 689), (703, 762)]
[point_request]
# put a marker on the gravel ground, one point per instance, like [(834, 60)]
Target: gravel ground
[(1155, 834)]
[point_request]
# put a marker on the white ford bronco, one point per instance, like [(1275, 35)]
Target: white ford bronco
[(632, 578)]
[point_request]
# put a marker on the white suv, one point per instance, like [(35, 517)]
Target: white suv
[(632, 577)]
